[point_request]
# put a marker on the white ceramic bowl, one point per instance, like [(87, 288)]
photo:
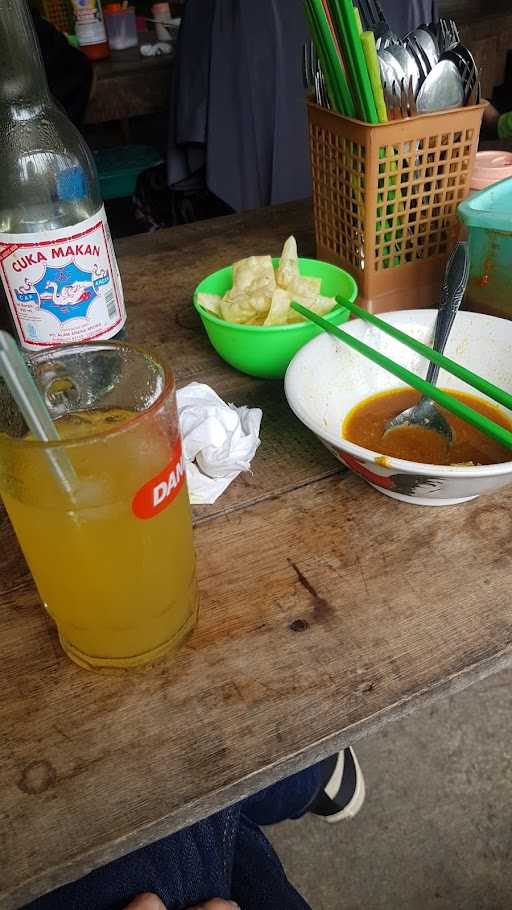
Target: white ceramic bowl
[(326, 379)]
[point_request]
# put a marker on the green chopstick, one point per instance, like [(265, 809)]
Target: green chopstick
[(337, 85), (350, 41), (317, 31), (451, 366), (454, 405)]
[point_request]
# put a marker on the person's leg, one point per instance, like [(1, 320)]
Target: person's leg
[(333, 789), (259, 881), (184, 869), (289, 798), (224, 856)]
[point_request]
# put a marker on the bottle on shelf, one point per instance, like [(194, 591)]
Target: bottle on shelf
[(90, 28), (59, 276)]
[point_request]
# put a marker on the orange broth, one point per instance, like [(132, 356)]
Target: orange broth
[(364, 425)]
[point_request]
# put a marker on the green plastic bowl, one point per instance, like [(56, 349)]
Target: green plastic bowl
[(266, 351)]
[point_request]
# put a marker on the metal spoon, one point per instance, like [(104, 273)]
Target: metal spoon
[(417, 52), (428, 43), (407, 63), (465, 63), (426, 414), (442, 89), (390, 69)]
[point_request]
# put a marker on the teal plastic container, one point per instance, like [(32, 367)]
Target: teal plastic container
[(488, 218), (119, 167), (266, 351)]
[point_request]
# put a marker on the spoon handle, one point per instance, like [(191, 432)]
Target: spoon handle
[(452, 293)]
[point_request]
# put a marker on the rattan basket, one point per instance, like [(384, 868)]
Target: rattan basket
[(58, 12), (385, 199)]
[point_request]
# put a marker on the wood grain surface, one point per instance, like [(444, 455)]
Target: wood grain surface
[(327, 610)]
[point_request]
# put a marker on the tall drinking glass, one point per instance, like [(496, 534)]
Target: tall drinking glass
[(103, 515)]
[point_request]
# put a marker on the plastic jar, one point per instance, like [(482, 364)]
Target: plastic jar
[(121, 26)]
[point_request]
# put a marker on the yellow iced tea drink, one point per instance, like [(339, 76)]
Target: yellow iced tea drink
[(112, 555)]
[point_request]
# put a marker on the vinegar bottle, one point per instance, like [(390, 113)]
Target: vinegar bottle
[(59, 276)]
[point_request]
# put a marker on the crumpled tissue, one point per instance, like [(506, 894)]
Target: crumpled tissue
[(155, 50), (219, 440)]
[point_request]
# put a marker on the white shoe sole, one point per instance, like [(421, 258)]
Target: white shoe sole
[(355, 804)]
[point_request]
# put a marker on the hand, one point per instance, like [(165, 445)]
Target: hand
[(152, 902)]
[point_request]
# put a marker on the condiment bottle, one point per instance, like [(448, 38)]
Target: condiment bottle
[(90, 28), (59, 276)]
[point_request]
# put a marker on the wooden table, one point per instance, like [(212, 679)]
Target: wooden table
[(130, 85), (327, 611)]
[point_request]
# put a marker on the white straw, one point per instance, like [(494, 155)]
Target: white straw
[(23, 389)]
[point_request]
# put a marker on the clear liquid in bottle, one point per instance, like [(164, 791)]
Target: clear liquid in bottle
[(59, 277)]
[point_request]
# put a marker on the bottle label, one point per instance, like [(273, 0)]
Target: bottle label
[(160, 491), (63, 286), (89, 27)]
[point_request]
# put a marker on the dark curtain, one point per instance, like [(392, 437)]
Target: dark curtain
[(237, 119), (405, 15)]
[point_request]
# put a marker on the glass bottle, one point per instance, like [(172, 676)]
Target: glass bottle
[(58, 271)]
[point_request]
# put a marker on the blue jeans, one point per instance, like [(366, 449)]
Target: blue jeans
[(224, 856)]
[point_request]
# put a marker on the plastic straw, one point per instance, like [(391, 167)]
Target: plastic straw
[(454, 405), (341, 52), (326, 57), (328, 52), (372, 62), (30, 402), (359, 23), (350, 41)]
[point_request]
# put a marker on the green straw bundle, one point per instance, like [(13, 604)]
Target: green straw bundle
[(336, 31), (348, 57), (330, 59)]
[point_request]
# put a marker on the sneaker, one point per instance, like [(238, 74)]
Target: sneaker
[(343, 795)]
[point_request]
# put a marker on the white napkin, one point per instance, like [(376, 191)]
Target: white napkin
[(155, 50), (219, 440)]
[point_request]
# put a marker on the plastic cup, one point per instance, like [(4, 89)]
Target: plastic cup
[(121, 27), (113, 557)]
